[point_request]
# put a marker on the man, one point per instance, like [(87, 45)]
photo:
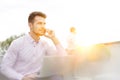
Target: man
[(25, 54)]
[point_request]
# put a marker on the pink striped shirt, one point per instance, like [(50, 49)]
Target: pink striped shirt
[(25, 56)]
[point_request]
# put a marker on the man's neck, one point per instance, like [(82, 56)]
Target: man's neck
[(34, 36)]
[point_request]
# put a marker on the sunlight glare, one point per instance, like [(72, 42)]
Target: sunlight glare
[(84, 42)]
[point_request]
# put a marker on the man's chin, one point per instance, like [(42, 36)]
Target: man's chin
[(41, 34)]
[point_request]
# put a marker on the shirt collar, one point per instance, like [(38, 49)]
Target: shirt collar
[(31, 39)]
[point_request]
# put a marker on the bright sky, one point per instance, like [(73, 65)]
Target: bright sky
[(96, 20)]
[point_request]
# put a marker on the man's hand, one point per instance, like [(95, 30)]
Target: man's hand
[(27, 78), (30, 77), (50, 34)]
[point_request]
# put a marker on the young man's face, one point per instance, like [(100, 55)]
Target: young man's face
[(38, 26)]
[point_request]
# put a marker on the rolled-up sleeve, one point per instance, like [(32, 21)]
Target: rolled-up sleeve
[(56, 50), (9, 61), (60, 50)]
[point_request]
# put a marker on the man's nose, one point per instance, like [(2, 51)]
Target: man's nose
[(43, 24)]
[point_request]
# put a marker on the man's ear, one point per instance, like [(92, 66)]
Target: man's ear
[(30, 25)]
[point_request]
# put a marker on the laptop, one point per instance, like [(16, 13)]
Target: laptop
[(53, 65)]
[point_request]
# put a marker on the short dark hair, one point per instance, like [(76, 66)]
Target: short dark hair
[(34, 14)]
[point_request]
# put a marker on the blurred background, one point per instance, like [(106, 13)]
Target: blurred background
[(95, 21)]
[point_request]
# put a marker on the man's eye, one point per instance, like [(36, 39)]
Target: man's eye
[(39, 23)]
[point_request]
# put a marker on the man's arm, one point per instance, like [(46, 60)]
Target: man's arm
[(59, 47), (9, 61)]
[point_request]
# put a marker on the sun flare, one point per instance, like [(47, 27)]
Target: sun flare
[(84, 42)]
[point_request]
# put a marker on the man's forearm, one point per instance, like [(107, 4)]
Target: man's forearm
[(59, 47), (55, 40), (10, 73)]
